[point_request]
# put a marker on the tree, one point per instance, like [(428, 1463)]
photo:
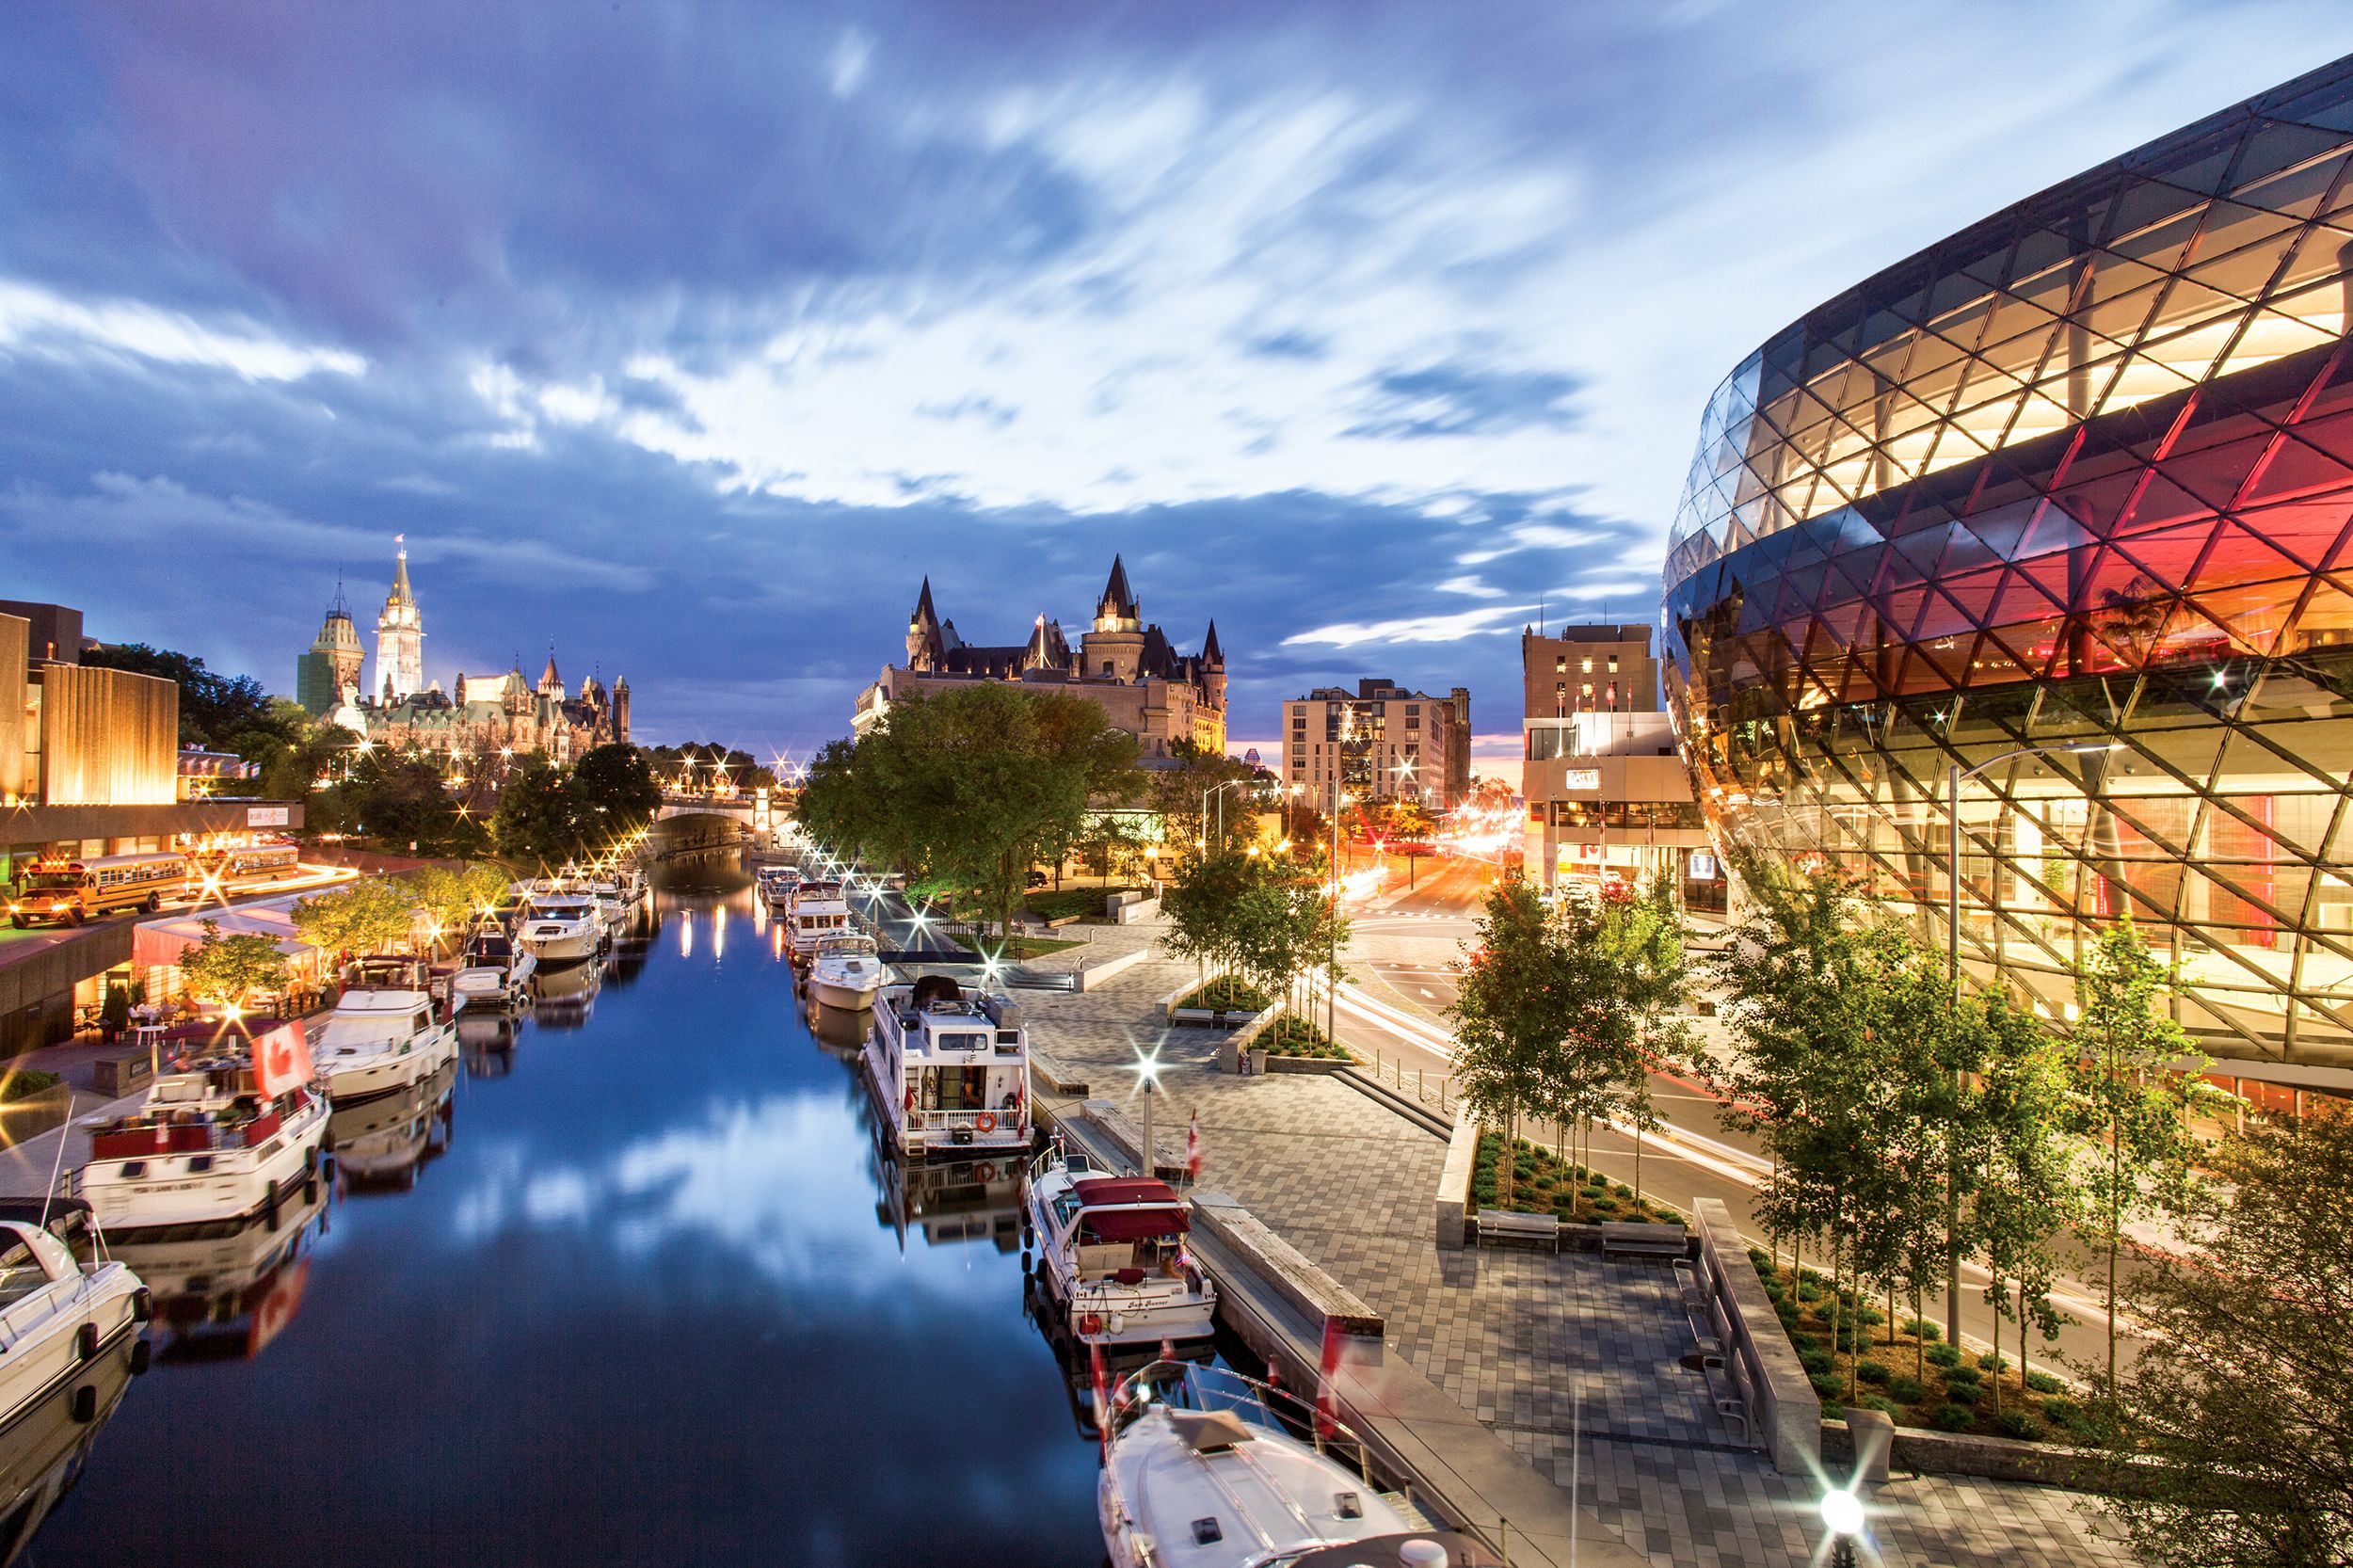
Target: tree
[(2137, 1086), (2234, 1442), (452, 899), (399, 801), (1176, 794), (1511, 1013), (232, 970), (2023, 1192), (1206, 904), (613, 795), (372, 915), (218, 713), (533, 820)]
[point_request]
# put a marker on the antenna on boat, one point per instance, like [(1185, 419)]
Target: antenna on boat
[(55, 1169)]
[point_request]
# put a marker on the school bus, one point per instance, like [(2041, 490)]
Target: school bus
[(71, 891), (228, 869)]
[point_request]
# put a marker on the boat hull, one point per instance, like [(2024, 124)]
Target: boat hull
[(914, 1136), (843, 996), (44, 1355), (168, 1191), (574, 947), (390, 1072)]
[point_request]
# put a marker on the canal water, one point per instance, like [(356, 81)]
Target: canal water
[(633, 1286)]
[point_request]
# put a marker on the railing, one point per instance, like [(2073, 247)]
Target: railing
[(921, 1119), (1436, 1089)]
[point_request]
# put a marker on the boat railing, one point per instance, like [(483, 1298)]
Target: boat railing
[(952, 1121), (1255, 1400)]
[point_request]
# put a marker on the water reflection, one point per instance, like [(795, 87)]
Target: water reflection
[(43, 1451), (381, 1145), (659, 1305)]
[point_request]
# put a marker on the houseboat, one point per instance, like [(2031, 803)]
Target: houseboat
[(231, 1130), (949, 1072), (1203, 1470), (1112, 1253), (819, 911), (387, 1034)]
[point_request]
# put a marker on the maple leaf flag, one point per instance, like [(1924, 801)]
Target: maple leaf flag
[(1192, 1148), (282, 1061)]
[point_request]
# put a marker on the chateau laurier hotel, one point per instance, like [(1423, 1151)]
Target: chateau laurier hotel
[(1130, 669)]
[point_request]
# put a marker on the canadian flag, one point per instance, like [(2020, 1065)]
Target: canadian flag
[(282, 1061), (1192, 1148)]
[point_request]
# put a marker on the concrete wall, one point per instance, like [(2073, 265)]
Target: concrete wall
[(108, 738), (37, 986), (1785, 1412)]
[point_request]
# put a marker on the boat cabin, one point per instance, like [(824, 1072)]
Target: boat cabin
[(956, 1065), (1123, 1228)]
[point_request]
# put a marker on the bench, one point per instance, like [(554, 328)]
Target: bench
[(1631, 1239), (1502, 1225)]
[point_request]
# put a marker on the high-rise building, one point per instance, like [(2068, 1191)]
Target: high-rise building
[(1609, 799), (332, 666), (399, 637), (1380, 742), (2048, 518)]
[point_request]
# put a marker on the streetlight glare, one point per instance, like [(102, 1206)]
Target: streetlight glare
[(1842, 1512)]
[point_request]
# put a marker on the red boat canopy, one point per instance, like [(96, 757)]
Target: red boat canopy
[(1129, 1208), (1102, 1191)]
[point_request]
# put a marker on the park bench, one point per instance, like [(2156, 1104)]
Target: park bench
[(1632, 1239), (1502, 1225)]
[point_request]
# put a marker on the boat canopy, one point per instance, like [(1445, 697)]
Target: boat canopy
[(1129, 1208)]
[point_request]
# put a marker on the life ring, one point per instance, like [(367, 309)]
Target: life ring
[(983, 1172), (985, 1121)]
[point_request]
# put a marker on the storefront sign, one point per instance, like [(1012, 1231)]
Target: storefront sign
[(1703, 866), (265, 816), (1580, 779)]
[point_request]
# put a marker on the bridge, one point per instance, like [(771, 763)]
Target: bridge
[(754, 814)]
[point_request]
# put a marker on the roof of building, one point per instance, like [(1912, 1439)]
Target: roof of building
[(1118, 599)]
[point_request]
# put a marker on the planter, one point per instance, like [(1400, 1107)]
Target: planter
[(1274, 1063), (1219, 1017)]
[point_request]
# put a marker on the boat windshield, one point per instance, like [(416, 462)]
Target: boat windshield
[(372, 1029), (20, 1272)]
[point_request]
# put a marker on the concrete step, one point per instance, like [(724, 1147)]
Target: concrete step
[(1426, 1117)]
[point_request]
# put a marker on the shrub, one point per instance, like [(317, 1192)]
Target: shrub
[(2017, 1423), (1605, 1206), (1808, 1289), (2059, 1411), (1806, 1341), (1943, 1355), (2043, 1382), (1909, 1389), (1815, 1361), (1963, 1377), (1993, 1362), (1829, 1387), (1869, 1315), (1966, 1393), (1953, 1417), (1882, 1403), (1763, 1262), (1921, 1329), (1621, 1190), (25, 1082), (1787, 1313), (1871, 1371)]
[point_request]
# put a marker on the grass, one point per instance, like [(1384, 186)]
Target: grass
[(1541, 1183), (1236, 996), (1048, 904), (1901, 1368), (1015, 946)]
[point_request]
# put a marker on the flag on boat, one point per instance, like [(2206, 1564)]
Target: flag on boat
[(1192, 1148), (1102, 1393), (282, 1060)]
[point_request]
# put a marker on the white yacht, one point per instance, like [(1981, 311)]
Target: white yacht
[(777, 883), (385, 1035), (231, 1130), (494, 973), (819, 911), (1112, 1255), (951, 1073), (560, 929), (1202, 1471), (846, 972), (57, 1313)]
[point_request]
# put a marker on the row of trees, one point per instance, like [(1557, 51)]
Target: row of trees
[(965, 790), (552, 814), (1265, 919), (375, 914)]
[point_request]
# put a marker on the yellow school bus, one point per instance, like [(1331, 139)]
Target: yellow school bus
[(71, 891)]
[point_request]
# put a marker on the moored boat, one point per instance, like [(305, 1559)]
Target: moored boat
[(560, 929), (385, 1034), (57, 1313), (845, 971), (1201, 1470), (818, 911), (494, 971), (949, 1072), (1112, 1251), (232, 1131)]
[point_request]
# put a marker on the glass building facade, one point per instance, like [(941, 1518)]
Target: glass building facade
[(2063, 504)]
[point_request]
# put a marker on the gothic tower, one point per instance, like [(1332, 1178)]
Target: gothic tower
[(620, 710), (1112, 647), (925, 647), (399, 636), (333, 661)]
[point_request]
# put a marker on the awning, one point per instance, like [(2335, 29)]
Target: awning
[(157, 942), (1134, 1224), (1092, 1191)]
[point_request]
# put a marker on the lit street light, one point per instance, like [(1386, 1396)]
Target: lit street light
[(1842, 1515)]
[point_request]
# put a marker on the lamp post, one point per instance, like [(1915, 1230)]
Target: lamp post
[(1147, 1070), (1218, 791), (1842, 1515), (1953, 777)]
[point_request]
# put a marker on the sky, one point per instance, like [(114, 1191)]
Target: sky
[(688, 339)]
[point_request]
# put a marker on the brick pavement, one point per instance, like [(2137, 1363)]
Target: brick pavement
[(1534, 1344)]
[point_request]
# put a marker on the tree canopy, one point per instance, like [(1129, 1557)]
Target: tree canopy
[(372, 915), (232, 970), (218, 713)]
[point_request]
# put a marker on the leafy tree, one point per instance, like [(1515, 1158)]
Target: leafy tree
[(1176, 794), (218, 713), (2023, 1192), (2137, 1086), (232, 970), (372, 915), (535, 818), (2234, 1441), (1206, 905), (1511, 1013), (613, 795), (1640, 971), (398, 801), (452, 899)]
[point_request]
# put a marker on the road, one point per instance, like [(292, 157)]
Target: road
[(17, 943), (1401, 963)]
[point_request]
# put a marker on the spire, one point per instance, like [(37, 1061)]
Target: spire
[(402, 593), (1210, 652), (550, 684), (924, 614), (1119, 600), (339, 609)]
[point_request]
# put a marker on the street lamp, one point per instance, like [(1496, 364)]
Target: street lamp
[(1218, 791), (1953, 777), (1842, 1515), (1148, 1074)]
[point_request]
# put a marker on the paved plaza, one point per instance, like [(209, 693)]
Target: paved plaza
[(1535, 1345)]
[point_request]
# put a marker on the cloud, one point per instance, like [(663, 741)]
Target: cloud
[(852, 52), (1413, 629), (1462, 400), (35, 320)]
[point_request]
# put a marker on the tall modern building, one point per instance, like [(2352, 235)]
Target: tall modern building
[(2057, 507), (332, 664), (1380, 742), (399, 637)]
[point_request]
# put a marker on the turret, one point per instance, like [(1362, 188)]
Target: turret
[(924, 647), (550, 684), (1213, 669), (1113, 648)]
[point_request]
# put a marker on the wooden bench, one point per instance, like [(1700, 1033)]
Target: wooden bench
[(1502, 1225), (1632, 1239)]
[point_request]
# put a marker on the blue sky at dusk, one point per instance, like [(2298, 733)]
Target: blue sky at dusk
[(690, 338)]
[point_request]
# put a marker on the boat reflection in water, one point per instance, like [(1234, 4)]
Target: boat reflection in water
[(567, 997), (42, 1452), (380, 1146), (967, 1200), (1078, 1360), (225, 1289), (487, 1044), (842, 1034)]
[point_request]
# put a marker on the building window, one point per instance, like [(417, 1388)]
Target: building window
[(1613, 663), (1589, 691), (1585, 667), (1561, 663)]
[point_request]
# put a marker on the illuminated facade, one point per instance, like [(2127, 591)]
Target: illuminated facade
[(399, 637), (2076, 482)]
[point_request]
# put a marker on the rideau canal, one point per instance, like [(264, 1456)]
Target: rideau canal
[(632, 1285)]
